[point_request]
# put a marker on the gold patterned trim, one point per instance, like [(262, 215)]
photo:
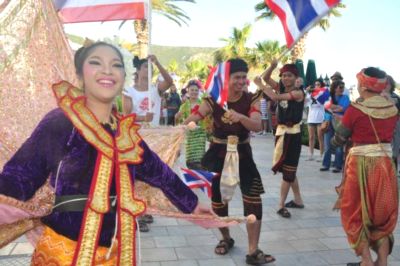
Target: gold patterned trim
[(377, 107), (128, 141), (127, 238), (90, 120), (65, 104), (126, 197), (102, 175), (86, 251)]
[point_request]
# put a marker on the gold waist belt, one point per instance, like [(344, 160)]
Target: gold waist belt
[(283, 129), (225, 141), (372, 150)]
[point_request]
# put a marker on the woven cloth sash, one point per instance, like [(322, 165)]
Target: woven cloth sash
[(230, 172), (372, 150)]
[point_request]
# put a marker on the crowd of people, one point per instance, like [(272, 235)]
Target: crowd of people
[(94, 156)]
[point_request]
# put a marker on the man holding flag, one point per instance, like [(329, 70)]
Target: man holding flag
[(235, 113)]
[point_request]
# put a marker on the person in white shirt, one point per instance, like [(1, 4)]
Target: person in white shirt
[(139, 100), (315, 117)]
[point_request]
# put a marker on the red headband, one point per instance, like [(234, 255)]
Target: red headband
[(289, 68), (371, 83)]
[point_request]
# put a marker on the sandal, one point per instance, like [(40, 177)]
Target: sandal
[(224, 246), (259, 258), (354, 264), (284, 213), (143, 227), (147, 218), (292, 204)]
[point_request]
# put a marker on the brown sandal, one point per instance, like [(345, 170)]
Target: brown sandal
[(259, 258), (224, 246), (284, 213)]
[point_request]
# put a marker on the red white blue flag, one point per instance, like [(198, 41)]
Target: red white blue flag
[(198, 179), (74, 11), (217, 85), (321, 95), (298, 16)]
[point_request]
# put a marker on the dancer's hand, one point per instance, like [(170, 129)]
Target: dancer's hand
[(258, 81), (202, 209), (234, 116)]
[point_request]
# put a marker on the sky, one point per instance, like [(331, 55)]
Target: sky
[(367, 34)]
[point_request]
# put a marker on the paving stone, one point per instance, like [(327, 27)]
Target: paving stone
[(158, 254), (307, 245), (335, 242), (22, 248), (217, 262), (180, 263), (198, 253), (338, 256), (170, 241), (7, 249)]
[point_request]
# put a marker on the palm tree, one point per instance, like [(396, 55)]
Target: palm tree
[(299, 49), (194, 69), (265, 52), (166, 8), (235, 45)]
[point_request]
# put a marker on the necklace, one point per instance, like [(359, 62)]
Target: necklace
[(112, 123)]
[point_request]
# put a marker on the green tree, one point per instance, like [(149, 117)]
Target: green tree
[(265, 52), (235, 45), (166, 8), (194, 69), (299, 49)]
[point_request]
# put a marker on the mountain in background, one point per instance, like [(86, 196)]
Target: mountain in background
[(166, 54)]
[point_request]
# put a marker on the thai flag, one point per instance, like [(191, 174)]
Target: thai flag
[(321, 95), (298, 16), (73, 11), (217, 84), (198, 179)]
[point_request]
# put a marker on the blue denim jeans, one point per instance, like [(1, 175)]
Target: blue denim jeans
[(326, 162)]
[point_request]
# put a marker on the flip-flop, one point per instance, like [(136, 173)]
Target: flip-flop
[(292, 204)]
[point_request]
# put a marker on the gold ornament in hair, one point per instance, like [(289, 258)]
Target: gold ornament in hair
[(88, 42)]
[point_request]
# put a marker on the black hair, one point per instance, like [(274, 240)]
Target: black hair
[(332, 90), (391, 83), (192, 82), (374, 72), (238, 65), (83, 53), (137, 62), (321, 81)]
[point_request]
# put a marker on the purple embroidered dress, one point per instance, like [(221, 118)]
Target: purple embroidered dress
[(57, 149)]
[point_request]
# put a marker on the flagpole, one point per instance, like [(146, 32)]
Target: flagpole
[(149, 69)]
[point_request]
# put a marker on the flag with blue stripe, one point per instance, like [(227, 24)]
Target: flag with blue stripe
[(198, 179), (217, 84), (321, 95), (298, 16)]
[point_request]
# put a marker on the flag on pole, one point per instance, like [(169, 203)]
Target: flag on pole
[(217, 85), (198, 179), (321, 95), (298, 16), (74, 11)]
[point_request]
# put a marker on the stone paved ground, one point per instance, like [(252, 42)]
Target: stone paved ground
[(313, 236)]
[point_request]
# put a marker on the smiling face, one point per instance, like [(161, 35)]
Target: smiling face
[(237, 81), (288, 79), (193, 92), (103, 74)]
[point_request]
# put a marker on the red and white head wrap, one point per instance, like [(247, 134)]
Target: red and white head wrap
[(371, 83)]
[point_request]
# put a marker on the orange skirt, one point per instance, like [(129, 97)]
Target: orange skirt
[(53, 249), (369, 201)]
